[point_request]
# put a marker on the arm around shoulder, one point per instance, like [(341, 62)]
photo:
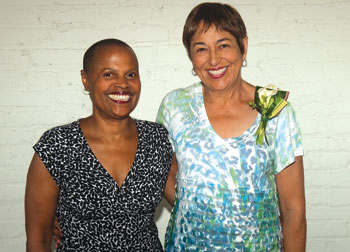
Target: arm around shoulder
[(40, 206), (290, 186)]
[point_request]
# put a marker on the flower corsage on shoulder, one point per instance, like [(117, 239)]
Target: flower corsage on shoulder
[(269, 102)]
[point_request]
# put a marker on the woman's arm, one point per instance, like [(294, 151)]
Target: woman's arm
[(169, 192), (40, 206), (290, 186)]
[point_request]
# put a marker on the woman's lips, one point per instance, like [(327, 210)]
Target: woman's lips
[(217, 73)]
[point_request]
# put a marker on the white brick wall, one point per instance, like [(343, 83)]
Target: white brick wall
[(302, 46)]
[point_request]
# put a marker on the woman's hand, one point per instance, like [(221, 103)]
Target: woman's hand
[(290, 185)]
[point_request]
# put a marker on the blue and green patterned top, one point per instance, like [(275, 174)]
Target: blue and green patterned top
[(226, 198)]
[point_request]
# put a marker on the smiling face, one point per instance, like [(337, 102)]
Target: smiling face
[(216, 58), (113, 81)]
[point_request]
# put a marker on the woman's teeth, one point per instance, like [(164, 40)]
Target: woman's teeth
[(217, 72), (118, 97)]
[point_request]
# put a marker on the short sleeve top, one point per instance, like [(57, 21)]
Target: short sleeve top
[(226, 188), (93, 212)]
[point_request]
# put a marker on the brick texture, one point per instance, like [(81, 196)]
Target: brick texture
[(301, 46)]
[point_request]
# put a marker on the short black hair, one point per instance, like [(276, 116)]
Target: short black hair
[(89, 54)]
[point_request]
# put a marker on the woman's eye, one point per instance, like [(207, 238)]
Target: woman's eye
[(131, 75), (108, 74), (199, 50), (224, 45)]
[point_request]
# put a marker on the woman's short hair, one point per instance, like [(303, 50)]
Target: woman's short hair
[(89, 54), (223, 16)]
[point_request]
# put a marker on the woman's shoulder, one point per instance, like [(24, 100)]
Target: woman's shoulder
[(285, 122), (149, 126), (61, 133), (153, 133), (72, 126), (184, 92), (287, 111), (55, 144)]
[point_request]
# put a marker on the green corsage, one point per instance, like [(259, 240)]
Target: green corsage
[(269, 102)]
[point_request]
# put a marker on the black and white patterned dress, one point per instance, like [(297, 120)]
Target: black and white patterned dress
[(93, 212)]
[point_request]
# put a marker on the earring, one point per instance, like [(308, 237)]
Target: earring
[(86, 92), (244, 64), (193, 72)]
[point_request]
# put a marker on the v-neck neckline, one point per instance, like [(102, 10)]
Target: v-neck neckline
[(205, 119), (102, 168)]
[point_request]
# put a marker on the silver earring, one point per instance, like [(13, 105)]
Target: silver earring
[(244, 64), (86, 92), (193, 72)]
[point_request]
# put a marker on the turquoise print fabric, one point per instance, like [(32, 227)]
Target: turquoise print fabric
[(226, 197)]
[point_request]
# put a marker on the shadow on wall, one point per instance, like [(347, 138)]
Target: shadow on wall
[(163, 208)]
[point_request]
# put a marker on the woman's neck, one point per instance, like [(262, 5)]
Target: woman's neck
[(242, 92), (108, 130)]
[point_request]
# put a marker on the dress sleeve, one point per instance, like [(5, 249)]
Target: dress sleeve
[(49, 150), (286, 144), (163, 117)]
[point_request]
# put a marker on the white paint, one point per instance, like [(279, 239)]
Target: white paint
[(301, 46)]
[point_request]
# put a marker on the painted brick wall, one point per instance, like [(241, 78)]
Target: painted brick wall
[(302, 46)]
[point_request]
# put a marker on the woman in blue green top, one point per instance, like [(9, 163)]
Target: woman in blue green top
[(239, 182)]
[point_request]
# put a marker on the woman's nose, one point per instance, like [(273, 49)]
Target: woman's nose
[(213, 57), (122, 82)]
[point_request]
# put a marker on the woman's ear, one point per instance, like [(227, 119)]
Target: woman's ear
[(245, 44), (84, 80)]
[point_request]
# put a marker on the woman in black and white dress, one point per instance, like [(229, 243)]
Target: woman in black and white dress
[(102, 176)]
